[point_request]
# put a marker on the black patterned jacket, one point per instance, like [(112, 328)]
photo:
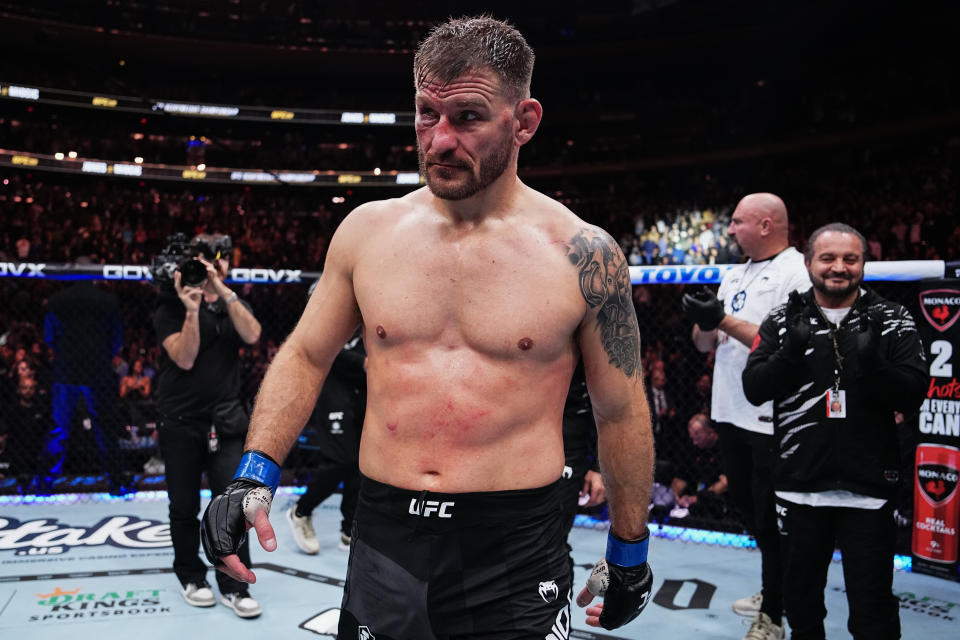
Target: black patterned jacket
[(859, 453)]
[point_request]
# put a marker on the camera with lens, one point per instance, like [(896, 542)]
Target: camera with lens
[(181, 255)]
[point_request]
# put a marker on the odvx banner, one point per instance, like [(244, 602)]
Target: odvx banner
[(936, 503)]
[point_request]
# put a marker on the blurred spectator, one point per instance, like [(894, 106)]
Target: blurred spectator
[(699, 485), (663, 406), (24, 423), (135, 393)]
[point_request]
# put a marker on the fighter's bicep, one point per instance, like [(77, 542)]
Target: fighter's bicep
[(331, 315), (608, 336), (610, 322), (329, 319)]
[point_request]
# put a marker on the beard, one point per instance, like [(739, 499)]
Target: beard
[(834, 292), (490, 167)]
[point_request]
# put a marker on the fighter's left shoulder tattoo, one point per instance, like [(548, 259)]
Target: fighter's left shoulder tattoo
[(605, 285)]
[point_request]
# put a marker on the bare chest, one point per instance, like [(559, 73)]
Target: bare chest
[(493, 297)]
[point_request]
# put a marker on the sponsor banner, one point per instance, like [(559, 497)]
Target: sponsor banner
[(936, 504), (48, 536), (133, 272), (664, 274)]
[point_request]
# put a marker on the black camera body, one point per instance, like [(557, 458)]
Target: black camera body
[(181, 255)]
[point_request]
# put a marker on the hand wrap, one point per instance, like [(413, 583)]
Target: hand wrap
[(623, 579), (229, 515)]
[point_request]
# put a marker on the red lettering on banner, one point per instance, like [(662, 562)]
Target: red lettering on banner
[(947, 390)]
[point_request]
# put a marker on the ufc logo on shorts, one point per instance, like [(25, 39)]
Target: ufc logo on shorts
[(363, 633), (429, 507)]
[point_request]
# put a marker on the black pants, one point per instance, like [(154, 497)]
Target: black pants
[(327, 476), (867, 540), (186, 456), (441, 566), (748, 459)]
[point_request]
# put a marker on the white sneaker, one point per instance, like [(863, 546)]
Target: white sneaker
[(198, 594), (344, 544), (303, 532), (749, 606), (242, 604), (764, 629)]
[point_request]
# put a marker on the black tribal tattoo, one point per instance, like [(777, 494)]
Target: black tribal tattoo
[(605, 284)]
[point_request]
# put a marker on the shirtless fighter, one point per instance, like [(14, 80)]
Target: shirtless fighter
[(476, 295)]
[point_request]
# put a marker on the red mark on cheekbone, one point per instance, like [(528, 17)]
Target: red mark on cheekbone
[(525, 344), (381, 332), (392, 426)]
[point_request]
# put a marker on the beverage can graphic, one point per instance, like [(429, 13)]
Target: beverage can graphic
[(936, 505)]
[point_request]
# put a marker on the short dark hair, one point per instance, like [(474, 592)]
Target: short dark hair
[(464, 44), (838, 227)]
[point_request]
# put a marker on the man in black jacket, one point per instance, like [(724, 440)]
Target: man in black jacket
[(837, 361)]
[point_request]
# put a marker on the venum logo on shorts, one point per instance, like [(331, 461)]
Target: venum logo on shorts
[(427, 508), (549, 591), (363, 633)]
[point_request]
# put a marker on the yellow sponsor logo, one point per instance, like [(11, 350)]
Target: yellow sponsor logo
[(348, 178), (281, 115), (193, 174), (99, 101), (26, 161)]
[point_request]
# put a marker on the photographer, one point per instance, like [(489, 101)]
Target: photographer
[(201, 324)]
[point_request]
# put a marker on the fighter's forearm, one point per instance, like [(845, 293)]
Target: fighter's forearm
[(284, 402), (626, 462)]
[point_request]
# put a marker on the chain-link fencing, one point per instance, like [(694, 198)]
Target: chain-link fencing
[(116, 441)]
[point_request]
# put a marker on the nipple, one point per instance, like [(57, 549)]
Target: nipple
[(525, 344), (381, 332)]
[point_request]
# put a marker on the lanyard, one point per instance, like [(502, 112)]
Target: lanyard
[(838, 359)]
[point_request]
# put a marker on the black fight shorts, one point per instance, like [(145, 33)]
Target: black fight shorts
[(457, 566)]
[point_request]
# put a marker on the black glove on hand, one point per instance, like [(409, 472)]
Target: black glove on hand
[(625, 589), (703, 308), (627, 594), (225, 522), (797, 337)]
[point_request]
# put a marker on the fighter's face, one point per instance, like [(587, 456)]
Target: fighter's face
[(836, 266), (465, 134)]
